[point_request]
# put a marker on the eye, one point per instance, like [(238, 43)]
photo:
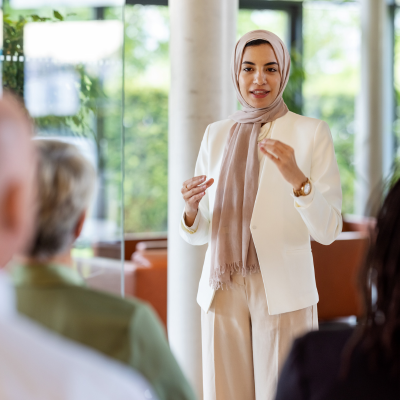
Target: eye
[(272, 69), (247, 69)]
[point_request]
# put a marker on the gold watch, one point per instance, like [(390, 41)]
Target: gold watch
[(305, 189)]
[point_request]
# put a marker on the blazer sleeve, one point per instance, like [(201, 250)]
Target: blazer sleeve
[(198, 233), (321, 209)]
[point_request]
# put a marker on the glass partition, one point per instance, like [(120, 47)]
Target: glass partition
[(331, 56), (65, 58), (147, 80), (332, 51), (397, 86), (273, 20)]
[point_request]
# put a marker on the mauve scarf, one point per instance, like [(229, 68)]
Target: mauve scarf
[(232, 246)]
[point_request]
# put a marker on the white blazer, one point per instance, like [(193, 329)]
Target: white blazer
[(281, 224)]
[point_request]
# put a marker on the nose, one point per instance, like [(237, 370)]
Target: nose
[(260, 78)]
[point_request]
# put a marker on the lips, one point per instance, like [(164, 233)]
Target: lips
[(259, 94)]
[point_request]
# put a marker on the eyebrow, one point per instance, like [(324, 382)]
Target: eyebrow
[(251, 63)]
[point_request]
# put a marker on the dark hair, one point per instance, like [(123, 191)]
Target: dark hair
[(256, 42), (378, 335)]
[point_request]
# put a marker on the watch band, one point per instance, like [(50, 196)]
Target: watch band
[(304, 190)]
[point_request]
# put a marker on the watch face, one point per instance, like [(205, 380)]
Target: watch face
[(307, 188)]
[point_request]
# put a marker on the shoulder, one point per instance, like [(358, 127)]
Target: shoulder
[(303, 121), (220, 127), (312, 365), (319, 345), (107, 303), (216, 133)]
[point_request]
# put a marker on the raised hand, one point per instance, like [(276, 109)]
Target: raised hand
[(284, 158), (193, 190)]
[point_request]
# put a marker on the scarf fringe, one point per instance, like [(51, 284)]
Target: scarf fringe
[(234, 267)]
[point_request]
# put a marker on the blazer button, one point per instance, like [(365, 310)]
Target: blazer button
[(254, 227)]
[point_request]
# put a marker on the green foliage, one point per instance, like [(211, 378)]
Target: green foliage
[(58, 16), (13, 78), (338, 112), (13, 70), (146, 122), (395, 176), (143, 52), (80, 124), (146, 161), (332, 80), (292, 94)]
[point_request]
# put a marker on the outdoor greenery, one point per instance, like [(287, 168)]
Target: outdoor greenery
[(99, 115), (146, 179), (332, 66), (328, 74), (146, 119), (13, 77), (146, 114), (146, 55), (396, 127)]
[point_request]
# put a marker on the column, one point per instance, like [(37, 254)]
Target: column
[(374, 135), (203, 34)]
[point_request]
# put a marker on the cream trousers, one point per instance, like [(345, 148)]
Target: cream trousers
[(243, 346)]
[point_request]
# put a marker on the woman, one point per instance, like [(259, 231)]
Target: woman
[(273, 181), (363, 363)]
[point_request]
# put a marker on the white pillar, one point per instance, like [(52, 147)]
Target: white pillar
[(374, 137), (203, 34)]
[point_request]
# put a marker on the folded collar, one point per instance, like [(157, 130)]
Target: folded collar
[(46, 275)]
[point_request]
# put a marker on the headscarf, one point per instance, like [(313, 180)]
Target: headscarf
[(232, 246)]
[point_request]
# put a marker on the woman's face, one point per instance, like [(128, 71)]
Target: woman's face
[(259, 77)]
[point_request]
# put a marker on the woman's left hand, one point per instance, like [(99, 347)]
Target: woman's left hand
[(284, 158)]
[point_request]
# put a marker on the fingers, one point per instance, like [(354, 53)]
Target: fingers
[(209, 183), (196, 198), (198, 189), (195, 190), (277, 144), (190, 193), (193, 182), (270, 156), (193, 202), (278, 149), (272, 149)]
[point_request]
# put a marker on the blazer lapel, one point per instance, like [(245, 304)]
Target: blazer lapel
[(271, 180)]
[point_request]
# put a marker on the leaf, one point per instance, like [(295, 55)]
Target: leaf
[(87, 80), (58, 15), (35, 18)]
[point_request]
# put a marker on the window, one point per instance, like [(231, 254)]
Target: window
[(397, 83), (332, 53), (67, 65), (146, 118)]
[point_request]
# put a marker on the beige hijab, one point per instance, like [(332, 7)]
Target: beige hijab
[(232, 246)]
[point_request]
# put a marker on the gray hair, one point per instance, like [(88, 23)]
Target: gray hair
[(65, 185)]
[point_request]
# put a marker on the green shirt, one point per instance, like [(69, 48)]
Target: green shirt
[(124, 329)]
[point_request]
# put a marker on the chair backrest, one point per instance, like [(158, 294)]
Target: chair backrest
[(112, 249), (337, 268)]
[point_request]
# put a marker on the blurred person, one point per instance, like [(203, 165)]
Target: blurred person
[(34, 363), (51, 292), (363, 362), (273, 181)]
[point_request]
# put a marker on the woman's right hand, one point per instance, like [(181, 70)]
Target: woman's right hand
[(193, 190)]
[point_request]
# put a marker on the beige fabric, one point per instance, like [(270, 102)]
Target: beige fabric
[(244, 347), (265, 132), (232, 246)]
